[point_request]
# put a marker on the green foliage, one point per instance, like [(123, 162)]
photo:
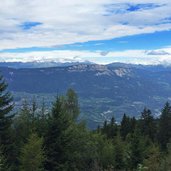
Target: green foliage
[(32, 154), (111, 129), (119, 153), (72, 105), (105, 152), (141, 168), (165, 126), (137, 149), (125, 127), (81, 150), (56, 139), (24, 124), (3, 162), (147, 124), (67, 145), (6, 106), (153, 160)]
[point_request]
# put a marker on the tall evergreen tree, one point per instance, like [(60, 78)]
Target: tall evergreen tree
[(153, 160), (42, 120), (3, 162), (110, 129), (55, 138), (147, 124), (6, 106), (105, 127), (43, 109), (119, 154), (32, 154), (125, 127), (34, 107), (23, 124), (136, 149), (72, 105), (113, 129), (133, 124), (165, 126)]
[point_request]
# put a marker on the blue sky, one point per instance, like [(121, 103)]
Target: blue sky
[(29, 25), (101, 31)]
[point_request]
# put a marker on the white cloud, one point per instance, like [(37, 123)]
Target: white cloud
[(128, 56), (157, 52), (71, 21)]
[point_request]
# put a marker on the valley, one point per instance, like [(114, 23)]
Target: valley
[(103, 90)]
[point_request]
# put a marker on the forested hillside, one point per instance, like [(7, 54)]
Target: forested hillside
[(36, 140)]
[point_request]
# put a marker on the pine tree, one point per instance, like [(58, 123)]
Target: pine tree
[(42, 120), (125, 127), (6, 107), (153, 160), (81, 148), (72, 105), (166, 160), (105, 127), (119, 153), (147, 124), (112, 128), (55, 138), (32, 154), (3, 162), (23, 124), (165, 126), (136, 149), (133, 124), (43, 109), (34, 107)]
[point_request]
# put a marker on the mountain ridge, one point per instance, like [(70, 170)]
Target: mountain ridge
[(117, 88)]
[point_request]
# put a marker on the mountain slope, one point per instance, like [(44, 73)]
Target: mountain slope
[(104, 90)]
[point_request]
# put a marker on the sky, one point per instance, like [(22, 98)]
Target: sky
[(100, 31)]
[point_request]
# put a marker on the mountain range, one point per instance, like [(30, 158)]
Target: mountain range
[(40, 64), (103, 90)]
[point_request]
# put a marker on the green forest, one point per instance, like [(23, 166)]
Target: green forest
[(33, 139)]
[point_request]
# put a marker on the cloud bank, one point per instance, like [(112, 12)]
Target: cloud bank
[(128, 56), (37, 23)]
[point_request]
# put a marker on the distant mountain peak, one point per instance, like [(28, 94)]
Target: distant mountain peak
[(40, 64)]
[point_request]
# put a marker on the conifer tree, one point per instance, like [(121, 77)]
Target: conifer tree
[(6, 106), (119, 153), (23, 124), (165, 126), (3, 162), (136, 149), (147, 124), (32, 154), (125, 127), (105, 127), (72, 105), (55, 138), (112, 128), (34, 107), (166, 162), (133, 124), (43, 109), (153, 160), (42, 120)]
